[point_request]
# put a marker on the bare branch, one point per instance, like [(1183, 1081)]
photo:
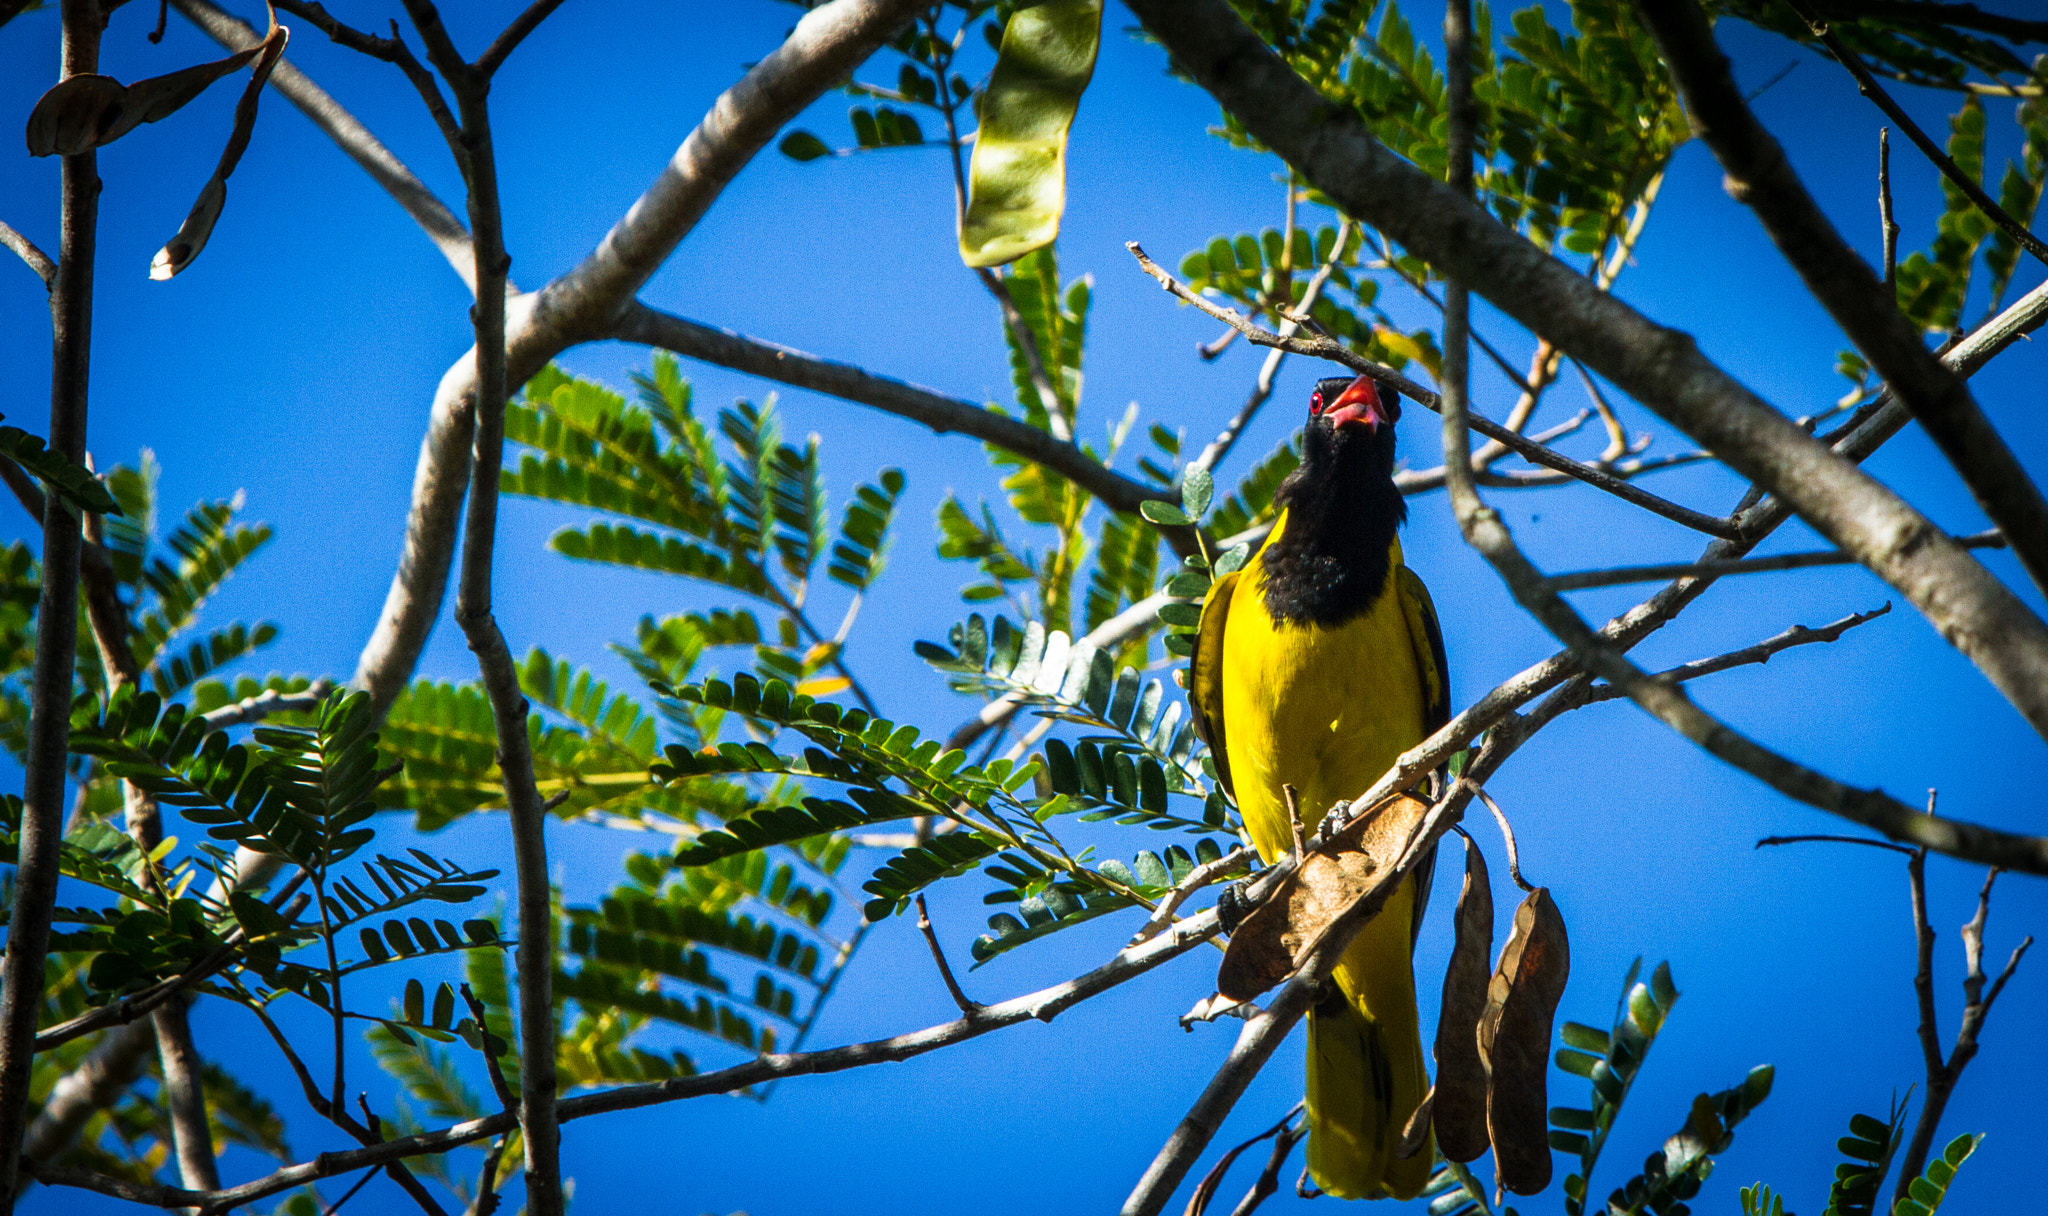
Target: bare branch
[(968, 1009), (1758, 174), (583, 305), (1580, 580), (1888, 228), (1797, 635), (1944, 1075), (42, 818), (37, 260), (1337, 352), (494, 56), (269, 701), (1823, 838), (1662, 368), (943, 414)]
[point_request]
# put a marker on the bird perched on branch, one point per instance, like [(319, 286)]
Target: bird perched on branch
[(1316, 666)]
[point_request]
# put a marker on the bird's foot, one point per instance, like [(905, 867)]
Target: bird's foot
[(1232, 906)]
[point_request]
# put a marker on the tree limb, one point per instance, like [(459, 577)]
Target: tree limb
[(1662, 368), (42, 819), (1759, 175), (585, 303), (37, 260), (943, 414)]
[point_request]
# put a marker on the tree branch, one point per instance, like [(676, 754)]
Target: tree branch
[(42, 820), (1759, 175), (37, 260), (1797, 635), (1944, 1075), (584, 304), (494, 56), (1580, 580), (539, 1128), (1662, 368), (943, 414)]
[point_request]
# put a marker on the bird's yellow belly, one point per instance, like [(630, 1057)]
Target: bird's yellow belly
[(1314, 707)]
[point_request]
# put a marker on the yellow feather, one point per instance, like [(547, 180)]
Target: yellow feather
[(1327, 710)]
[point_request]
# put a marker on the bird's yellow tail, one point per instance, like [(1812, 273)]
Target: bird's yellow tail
[(1365, 1069)]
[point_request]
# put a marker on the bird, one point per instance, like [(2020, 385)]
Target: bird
[(1315, 666)]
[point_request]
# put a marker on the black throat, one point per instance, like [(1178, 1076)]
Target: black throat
[(1343, 509)]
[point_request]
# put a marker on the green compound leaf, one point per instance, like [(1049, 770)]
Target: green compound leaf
[(1019, 169), (79, 489)]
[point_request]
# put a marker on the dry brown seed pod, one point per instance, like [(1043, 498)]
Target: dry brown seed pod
[(1272, 942), (1514, 1038), (74, 115), (1460, 1069)]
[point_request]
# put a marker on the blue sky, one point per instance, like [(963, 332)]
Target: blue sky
[(297, 359)]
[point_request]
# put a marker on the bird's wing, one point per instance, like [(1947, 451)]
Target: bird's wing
[(1427, 638), (1205, 676)]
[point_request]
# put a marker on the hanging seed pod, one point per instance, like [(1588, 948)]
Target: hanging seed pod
[(1273, 940), (1514, 1039), (1460, 1069)]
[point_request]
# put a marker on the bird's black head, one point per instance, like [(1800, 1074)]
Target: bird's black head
[(1351, 425), (1343, 507)]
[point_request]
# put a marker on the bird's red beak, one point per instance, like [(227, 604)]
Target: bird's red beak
[(1363, 402)]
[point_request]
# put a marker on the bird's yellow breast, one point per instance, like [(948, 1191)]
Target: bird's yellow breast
[(1326, 709)]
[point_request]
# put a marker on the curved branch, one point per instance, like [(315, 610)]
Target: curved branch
[(1759, 175), (1662, 368), (584, 304), (941, 413)]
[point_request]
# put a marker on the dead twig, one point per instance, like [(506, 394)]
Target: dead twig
[(1582, 579), (968, 1009)]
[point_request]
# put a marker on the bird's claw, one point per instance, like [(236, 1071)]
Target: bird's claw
[(1232, 906)]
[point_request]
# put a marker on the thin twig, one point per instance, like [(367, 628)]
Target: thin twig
[(1868, 86), (37, 260), (1796, 635), (538, 1121), (1199, 877), (968, 1009), (1205, 1191), (1583, 579), (1507, 833), (507, 1100), (494, 56), (1944, 1074), (486, 1200), (1337, 352), (1824, 838), (1888, 227), (1262, 389)]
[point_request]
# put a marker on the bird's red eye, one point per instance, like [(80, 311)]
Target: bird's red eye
[(1315, 403)]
